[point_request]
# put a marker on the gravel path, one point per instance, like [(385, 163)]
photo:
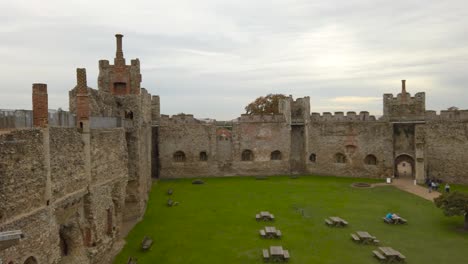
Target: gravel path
[(408, 186)]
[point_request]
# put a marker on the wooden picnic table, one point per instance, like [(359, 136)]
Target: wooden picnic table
[(270, 232), (265, 216), (278, 253), (391, 254), (366, 238), (336, 221)]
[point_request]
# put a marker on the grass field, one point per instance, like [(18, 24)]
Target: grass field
[(215, 222)]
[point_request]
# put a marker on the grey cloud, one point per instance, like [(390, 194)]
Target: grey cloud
[(212, 57)]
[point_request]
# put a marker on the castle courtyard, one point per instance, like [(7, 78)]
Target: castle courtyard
[(215, 222)]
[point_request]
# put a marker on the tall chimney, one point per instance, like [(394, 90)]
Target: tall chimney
[(403, 86), (40, 105), (82, 99), (119, 57)]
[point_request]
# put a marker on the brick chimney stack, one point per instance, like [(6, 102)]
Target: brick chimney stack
[(119, 57), (403, 86), (82, 99), (40, 105)]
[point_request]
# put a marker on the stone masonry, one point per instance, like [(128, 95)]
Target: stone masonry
[(71, 189)]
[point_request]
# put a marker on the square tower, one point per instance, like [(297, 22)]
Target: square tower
[(404, 107), (120, 78)]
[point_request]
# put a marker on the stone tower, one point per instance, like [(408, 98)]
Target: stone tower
[(120, 78), (404, 107)]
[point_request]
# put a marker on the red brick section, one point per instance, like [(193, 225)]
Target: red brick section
[(40, 105), (82, 99), (119, 57)]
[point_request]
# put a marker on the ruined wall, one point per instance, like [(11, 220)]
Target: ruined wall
[(108, 155), (23, 173), (41, 240), (186, 134), (354, 138), (260, 134), (67, 161), (446, 150), (262, 138)]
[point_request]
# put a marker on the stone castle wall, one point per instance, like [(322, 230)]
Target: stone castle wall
[(70, 187)]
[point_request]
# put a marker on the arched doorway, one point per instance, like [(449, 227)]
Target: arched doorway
[(404, 166)]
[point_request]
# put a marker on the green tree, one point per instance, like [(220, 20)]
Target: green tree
[(453, 204), (265, 105)]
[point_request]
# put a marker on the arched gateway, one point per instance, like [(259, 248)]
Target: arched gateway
[(404, 166)]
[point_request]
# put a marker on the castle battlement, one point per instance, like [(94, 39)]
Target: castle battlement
[(447, 115), (341, 117), (276, 118), (179, 119), (405, 97)]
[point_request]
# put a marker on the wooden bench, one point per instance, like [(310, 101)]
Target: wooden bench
[(262, 233), (266, 255), (146, 243), (376, 242), (286, 255), (344, 223), (272, 217), (328, 222), (355, 238), (278, 234), (379, 255), (258, 217)]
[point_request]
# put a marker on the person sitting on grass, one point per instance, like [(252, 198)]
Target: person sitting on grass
[(389, 216)]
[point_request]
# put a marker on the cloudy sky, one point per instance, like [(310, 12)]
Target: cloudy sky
[(212, 57)]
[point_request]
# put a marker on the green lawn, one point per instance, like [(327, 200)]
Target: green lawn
[(215, 222)]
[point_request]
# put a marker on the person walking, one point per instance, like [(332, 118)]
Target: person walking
[(447, 188), (433, 186)]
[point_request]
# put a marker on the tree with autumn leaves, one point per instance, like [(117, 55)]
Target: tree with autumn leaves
[(265, 105)]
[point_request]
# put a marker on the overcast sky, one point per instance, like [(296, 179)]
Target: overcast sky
[(212, 57)]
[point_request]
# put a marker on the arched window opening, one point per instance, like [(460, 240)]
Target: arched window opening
[(179, 156), (203, 156), (340, 158), (276, 155), (81, 125), (30, 260), (370, 160), (312, 157), (247, 155)]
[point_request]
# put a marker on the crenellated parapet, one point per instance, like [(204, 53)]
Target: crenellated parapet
[(363, 116), (179, 119), (276, 118), (447, 115)]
